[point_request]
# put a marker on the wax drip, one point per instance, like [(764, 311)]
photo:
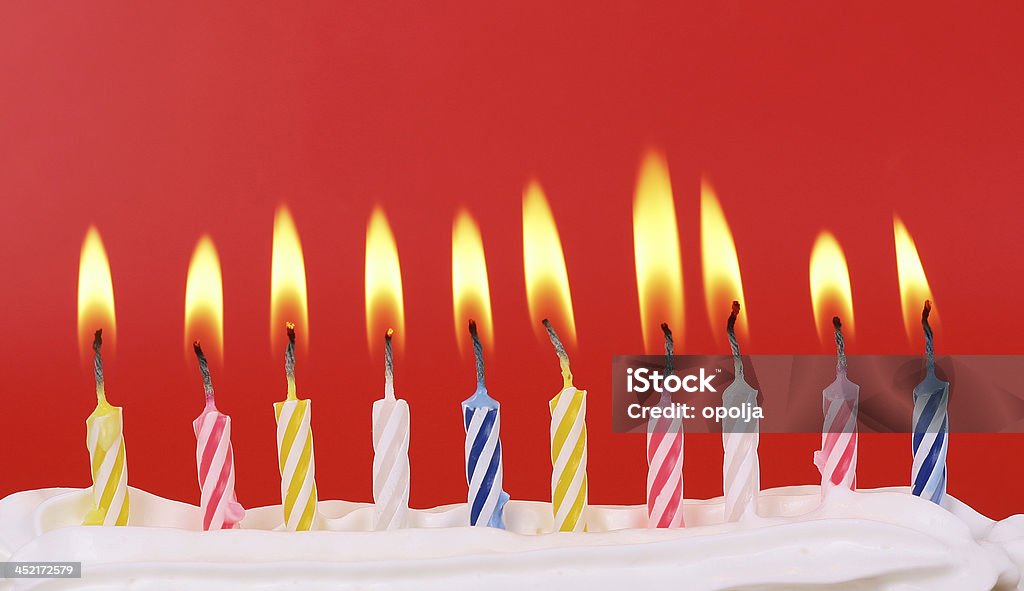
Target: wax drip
[(289, 360), (670, 351), (563, 357), (478, 352), (204, 370), (97, 366), (730, 328), (389, 365), (929, 337), (840, 344)]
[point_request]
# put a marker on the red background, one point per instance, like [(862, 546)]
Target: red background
[(161, 121)]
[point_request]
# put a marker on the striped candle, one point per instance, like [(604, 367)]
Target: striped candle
[(741, 472), (568, 447), (931, 425), (295, 451), (390, 451), (105, 439), (481, 416), (215, 459), (837, 459), (665, 458)]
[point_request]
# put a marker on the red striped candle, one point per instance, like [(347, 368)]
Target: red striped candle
[(215, 460)]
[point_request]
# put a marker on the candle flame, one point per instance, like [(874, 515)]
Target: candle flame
[(384, 300), (547, 282), (914, 289), (287, 282), (722, 281), (659, 271), (471, 294), (831, 294), (95, 295), (204, 301)]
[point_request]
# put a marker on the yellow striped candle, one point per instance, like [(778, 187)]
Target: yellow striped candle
[(295, 451), (568, 448), (105, 438)]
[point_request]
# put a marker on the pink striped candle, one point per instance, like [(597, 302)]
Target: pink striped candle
[(665, 459), (215, 460), (837, 459)]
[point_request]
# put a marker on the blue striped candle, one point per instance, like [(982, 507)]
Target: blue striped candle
[(931, 426), (482, 419)]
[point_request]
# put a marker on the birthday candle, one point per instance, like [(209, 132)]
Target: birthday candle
[(105, 439), (837, 459), (931, 425), (215, 459), (295, 450), (740, 470), (665, 458), (482, 420), (390, 451), (568, 447)]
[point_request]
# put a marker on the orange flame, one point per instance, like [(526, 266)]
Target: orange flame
[(831, 294), (914, 289), (471, 294), (204, 301), (722, 281), (659, 271), (384, 301), (95, 295), (547, 283), (287, 282)]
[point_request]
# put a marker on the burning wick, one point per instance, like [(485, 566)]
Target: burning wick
[(289, 360), (670, 364), (840, 344), (730, 328), (204, 370), (389, 366), (97, 367), (929, 337), (478, 353), (563, 357)]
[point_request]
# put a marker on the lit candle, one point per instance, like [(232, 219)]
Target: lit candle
[(390, 451), (295, 450), (568, 447), (482, 420), (215, 459), (740, 470), (837, 459), (665, 457), (105, 438), (931, 425)]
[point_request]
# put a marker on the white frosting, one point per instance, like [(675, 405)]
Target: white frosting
[(877, 539)]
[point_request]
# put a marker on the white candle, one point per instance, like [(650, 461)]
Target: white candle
[(741, 473), (390, 451)]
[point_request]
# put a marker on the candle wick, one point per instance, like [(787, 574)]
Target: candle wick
[(670, 351), (97, 366), (730, 328), (929, 337), (389, 366), (289, 360), (478, 352), (840, 344), (563, 357), (204, 371)]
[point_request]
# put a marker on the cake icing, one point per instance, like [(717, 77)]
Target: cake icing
[(881, 539)]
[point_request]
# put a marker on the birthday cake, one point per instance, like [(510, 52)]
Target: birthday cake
[(873, 539)]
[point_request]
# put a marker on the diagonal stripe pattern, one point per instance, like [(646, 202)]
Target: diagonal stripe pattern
[(390, 463), (295, 453), (931, 440), (105, 439), (569, 459), (486, 499), (215, 463), (665, 471)]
